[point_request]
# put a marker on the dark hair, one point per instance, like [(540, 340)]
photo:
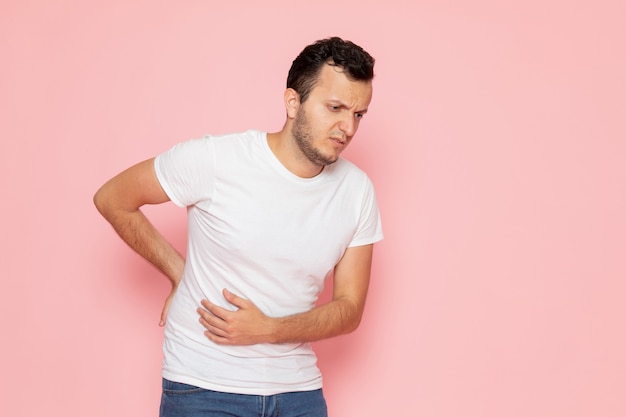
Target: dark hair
[(305, 69)]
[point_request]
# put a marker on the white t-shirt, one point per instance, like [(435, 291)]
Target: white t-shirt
[(266, 235)]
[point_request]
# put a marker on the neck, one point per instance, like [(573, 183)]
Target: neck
[(287, 152)]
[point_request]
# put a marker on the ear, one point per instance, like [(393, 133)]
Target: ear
[(292, 102)]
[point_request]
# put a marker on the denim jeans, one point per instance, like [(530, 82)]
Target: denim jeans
[(182, 400)]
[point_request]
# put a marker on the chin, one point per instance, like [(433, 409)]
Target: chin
[(330, 161)]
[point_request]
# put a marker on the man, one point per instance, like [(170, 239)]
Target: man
[(271, 215)]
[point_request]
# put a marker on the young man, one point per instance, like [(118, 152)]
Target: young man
[(271, 215)]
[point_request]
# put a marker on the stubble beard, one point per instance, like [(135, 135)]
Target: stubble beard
[(304, 139)]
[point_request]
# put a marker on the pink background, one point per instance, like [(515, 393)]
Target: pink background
[(496, 140)]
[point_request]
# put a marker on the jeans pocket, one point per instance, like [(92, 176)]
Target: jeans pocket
[(179, 388)]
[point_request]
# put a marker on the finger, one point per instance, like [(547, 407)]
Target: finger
[(209, 316), (214, 309), (213, 327), (163, 315), (166, 308), (215, 333), (217, 339), (234, 299)]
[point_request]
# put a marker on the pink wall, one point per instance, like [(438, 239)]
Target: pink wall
[(496, 140)]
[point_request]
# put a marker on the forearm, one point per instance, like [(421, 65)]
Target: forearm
[(332, 319), (339, 316), (139, 233), (248, 325), (119, 202)]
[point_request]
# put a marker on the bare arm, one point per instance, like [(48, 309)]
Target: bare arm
[(248, 325), (119, 201)]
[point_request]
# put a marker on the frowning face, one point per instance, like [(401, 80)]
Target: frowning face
[(326, 122)]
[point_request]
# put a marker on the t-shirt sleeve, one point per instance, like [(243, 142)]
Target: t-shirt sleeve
[(369, 229), (187, 171)]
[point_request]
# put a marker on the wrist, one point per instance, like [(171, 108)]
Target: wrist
[(273, 330)]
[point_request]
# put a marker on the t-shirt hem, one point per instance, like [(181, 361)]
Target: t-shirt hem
[(367, 241), (164, 184), (186, 379)]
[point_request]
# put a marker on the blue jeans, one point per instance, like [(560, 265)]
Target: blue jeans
[(182, 400)]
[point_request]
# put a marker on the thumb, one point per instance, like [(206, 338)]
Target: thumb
[(164, 314), (233, 298), (166, 308)]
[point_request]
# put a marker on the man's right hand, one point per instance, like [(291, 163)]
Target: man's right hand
[(166, 306), (119, 201)]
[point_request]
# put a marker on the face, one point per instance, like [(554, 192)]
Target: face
[(326, 122)]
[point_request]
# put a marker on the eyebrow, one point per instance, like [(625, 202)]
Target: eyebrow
[(340, 103)]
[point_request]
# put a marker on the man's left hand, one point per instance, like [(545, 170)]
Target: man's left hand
[(245, 326)]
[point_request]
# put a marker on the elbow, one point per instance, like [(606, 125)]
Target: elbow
[(349, 315), (99, 201), (103, 202), (353, 322), (354, 325)]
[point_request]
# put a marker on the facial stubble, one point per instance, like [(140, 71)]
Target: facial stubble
[(304, 139)]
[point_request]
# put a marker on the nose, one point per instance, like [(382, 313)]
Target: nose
[(349, 124)]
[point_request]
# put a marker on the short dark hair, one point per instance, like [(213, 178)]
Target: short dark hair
[(354, 60)]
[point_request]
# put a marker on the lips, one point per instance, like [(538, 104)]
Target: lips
[(338, 141)]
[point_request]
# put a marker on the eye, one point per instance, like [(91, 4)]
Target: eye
[(334, 108), (359, 115)]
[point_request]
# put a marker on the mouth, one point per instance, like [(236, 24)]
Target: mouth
[(338, 142)]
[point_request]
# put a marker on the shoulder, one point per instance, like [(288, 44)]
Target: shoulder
[(228, 139), (235, 143), (249, 137), (210, 144), (344, 169)]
